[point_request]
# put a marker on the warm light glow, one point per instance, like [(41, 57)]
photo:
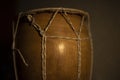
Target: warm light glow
[(61, 47)]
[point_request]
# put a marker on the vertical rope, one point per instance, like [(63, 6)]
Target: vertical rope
[(79, 59), (13, 45), (78, 41), (13, 53), (44, 57), (79, 49), (44, 46), (14, 32), (14, 65), (41, 34), (91, 46)]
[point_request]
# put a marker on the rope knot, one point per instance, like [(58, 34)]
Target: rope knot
[(30, 18)]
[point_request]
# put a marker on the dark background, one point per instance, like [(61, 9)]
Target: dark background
[(105, 29)]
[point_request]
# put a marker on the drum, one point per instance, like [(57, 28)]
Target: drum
[(52, 44)]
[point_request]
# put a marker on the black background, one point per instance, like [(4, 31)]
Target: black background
[(105, 29)]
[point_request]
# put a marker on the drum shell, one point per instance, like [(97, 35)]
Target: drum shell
[(65, 51)]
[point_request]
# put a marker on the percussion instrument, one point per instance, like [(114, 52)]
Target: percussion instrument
[(52, 44)]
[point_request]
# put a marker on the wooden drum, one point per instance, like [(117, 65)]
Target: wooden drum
[(52, 44)]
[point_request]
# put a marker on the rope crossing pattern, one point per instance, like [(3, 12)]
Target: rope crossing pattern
[(44, 37)]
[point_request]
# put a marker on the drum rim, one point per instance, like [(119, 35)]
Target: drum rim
[(61, 9)]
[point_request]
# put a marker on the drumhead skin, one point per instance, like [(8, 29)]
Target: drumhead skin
[(52, 44)]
